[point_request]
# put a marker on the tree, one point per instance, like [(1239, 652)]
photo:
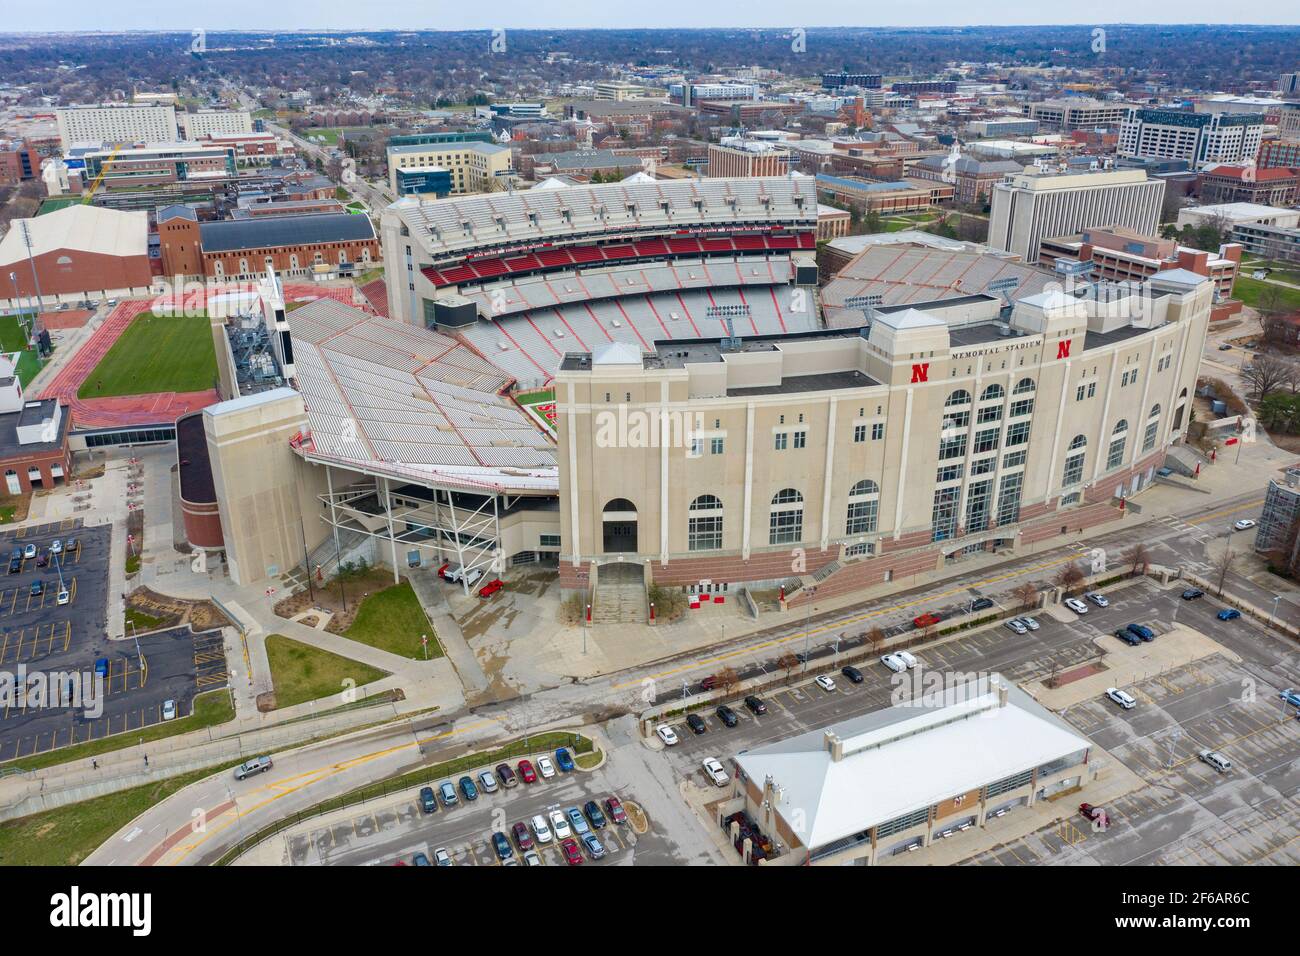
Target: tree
[(1068, 577), (875, 637), (787, 662), (1138, 558), (1027, 595), (727, 678), (1223, 565), (1267, 373)]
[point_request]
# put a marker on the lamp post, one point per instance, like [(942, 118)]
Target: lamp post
[(807, 626)]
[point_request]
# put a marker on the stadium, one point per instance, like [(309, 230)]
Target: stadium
[(925, 404)]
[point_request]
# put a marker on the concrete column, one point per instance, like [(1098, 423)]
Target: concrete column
[(1052, 480), (748, 514), (664, 433), (392, 535), (1104, 435), (829, 472), (902, 464), (571, 439)]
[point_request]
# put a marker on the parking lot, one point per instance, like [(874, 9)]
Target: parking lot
[(399, 829), (42, 636)]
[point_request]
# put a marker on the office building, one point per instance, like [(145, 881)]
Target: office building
[(1198, 138), (747, 157), (472, 166), (1074, 113)]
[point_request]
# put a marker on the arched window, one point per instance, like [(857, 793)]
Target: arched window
[(1074, 461), (993, 391), (1119, 437), (1024, 385), (864, 505), (620, 505), (959, 397), (704, 526), (1153, 427), (786, 522)]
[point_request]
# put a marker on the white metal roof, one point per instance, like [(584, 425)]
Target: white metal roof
[(907, 757), (81, 227)]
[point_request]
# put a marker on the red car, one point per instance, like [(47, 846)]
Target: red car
[(572, 854), (527, 772), (491, 588), (709, 682), (927, 620), (522, 837), (615, 808)]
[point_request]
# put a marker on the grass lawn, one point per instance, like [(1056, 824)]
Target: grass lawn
[(210, 710), (300, 672), (67, 835), (1252, 291), (142, 621), (156, 353), (13, 338), (392, 620)]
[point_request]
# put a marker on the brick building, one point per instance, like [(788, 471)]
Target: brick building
[(1271, 186), (33, 437)]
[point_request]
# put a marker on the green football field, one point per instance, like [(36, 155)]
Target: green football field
[(541, 405), (156, 353)]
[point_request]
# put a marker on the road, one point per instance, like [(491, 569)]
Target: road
[(301, 779)]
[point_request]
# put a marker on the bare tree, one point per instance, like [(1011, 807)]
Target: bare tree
[(787, 662), (1138, 558), (727, 678), (876, 637), (1223, 565), (1068, 577), (1268, 373), (1027, 595)]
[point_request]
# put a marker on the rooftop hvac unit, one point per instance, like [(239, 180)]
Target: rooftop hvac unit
[(504, 346), (674, 316), (559, 333), (617, 324), (568, 288)]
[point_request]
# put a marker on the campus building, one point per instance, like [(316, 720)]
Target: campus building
[(930, 768), (470, 167), (33, 437), (1074, 113), (1197, 138), (1040, 203), (742, 157), (1122, 255), (116, 124), (208, 123)]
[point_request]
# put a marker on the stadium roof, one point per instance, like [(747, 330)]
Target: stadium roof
[(233, 235), (398, 399), (81, 227), (907, 757)]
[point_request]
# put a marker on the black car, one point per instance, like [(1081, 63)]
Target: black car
[(16, 561), (755, 704), (696, 723), (502, 845), (852, 673), (592, 809), (428, 802), (37, 589), (1128, 637), (1191, 594), (727, 716), (981, 604)]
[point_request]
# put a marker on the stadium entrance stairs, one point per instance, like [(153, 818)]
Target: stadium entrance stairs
[(620, 594)]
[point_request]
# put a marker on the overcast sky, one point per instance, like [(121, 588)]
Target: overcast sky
[(429, 14)]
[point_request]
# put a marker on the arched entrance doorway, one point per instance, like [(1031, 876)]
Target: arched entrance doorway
[(618, 527)]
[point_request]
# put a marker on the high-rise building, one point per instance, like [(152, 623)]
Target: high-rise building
[(833, 81), (215, 122), (1197, 138), (1040, 203), (473, 166), (745, 157), (1077, 113), (117, 124)]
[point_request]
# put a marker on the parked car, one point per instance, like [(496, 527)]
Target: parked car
[(593, 845), (487, 782), (508, 778), (1243, 524), (56, 546), (614, 807), (981, 604), (37, 589), (523, 839), (545, 767), (43, 559), (1098, 599), (502, 845), (1077, 606), (1143, 632), (1228, 614), (908, 660), (1291, 696), (62, 597), (696, 723), (1216, 760), (727, 716), (1015, 625), (1225, 347), (926, 620), (755, 704), (428, 802), (29, 552), (16, 561), (491, 588), (1164, 471), (894, 663), (71, 545), (526, 771), (420, 860), (714, 771), (667, 735), (1029, 622), (169, 709), (255, 766), (467, 789), (563, 760), (825, 683), (1121, 698), (572, 855), (560, 825), (447, 793), (577, 821), (1128, 637), (592, 809), (1191, 594), (532, 859), (852, 673), (101, 667), (441, 857), (541, 830), (709, 682)]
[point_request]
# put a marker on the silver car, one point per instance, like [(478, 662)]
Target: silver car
[(1015, 625)]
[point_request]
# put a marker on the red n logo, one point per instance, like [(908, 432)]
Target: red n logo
[(921, 372), (1063, 349)]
